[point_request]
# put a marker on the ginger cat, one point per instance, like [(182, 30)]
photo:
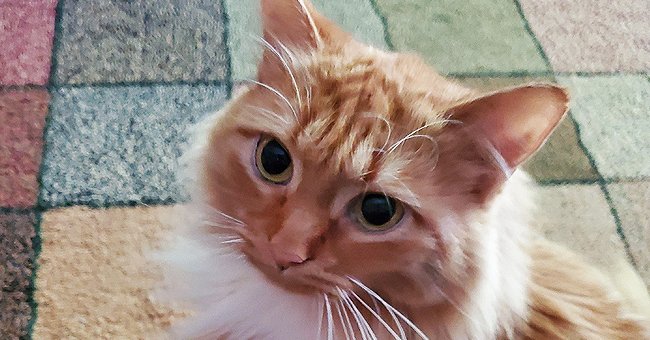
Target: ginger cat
[(354, 193)]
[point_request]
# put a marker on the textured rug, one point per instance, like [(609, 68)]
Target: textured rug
[(96, 97)]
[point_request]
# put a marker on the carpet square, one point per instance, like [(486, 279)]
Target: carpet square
[(600, 35), (120, 144), (355, 16), (632, 202), (578, 217), (94, 278), (22, 117), (26, 31), (141, 41), (16, 265), (463, 36), (612, 114), (561, 158)]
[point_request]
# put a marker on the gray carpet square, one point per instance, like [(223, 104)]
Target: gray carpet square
[(120, 144), (140, 41)]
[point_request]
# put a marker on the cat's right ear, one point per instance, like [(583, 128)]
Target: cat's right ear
[(292, 26)]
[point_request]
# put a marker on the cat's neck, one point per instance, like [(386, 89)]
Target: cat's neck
[(498, 299)]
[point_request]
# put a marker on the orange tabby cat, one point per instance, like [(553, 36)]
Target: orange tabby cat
[(353, 193)]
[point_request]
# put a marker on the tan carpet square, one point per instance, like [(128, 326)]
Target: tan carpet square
[(93, 280)]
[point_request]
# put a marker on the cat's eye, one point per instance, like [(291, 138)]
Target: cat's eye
[(273, 161), (378, 212)]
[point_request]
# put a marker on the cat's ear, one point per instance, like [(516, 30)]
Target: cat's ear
[(296, 26), (515, 122)]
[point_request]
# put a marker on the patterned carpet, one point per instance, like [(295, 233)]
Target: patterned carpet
[(96, 97)]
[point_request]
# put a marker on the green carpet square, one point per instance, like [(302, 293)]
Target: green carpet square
[(612, 113), (561, 158), (463, 36), (632, 202), (355, 16)]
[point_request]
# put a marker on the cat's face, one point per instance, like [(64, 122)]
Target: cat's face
[(347, 162)]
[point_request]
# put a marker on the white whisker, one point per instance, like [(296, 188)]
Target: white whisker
[(390, 130), (269, 112), (365, 323), (455, 305), (286, 66), (347, 319), (414, 133), (376, 315), (330, 322), (338, 311), (277, 93), (238, 240), (388, 306), (402, 333), (356, 317), (222, 214)]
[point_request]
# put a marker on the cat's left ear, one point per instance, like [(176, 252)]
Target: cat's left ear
[(294, 25), (516, 121)]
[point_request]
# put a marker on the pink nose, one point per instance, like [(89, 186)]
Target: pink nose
[(286, 259)]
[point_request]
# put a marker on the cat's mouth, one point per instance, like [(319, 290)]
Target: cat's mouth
[(307, 277)]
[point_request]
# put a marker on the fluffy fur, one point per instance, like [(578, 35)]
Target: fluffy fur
[(460, 264)]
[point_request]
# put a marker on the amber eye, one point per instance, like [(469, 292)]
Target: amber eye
[(378, 212), (273, 161)]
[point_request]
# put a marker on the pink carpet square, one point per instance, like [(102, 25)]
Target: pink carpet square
[(26, 32), (22, 118), (592, 36)]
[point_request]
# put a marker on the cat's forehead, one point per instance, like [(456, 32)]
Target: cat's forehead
[(356, 115)]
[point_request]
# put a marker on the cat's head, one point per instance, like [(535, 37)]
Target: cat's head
[(343, 161)]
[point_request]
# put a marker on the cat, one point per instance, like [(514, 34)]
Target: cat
[(350, 192)]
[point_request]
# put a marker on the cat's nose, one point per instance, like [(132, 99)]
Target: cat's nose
[(285, 259)]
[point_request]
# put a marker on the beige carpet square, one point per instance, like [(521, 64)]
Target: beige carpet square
[(93, 281), (578, 217), (597, 35), (612, 112)]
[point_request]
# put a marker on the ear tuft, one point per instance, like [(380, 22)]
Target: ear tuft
[(296, 26), (515, 121)]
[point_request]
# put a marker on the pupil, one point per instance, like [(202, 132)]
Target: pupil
[(275, 159), (377, 209)]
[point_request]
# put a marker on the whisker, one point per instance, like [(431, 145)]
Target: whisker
[(414, 132), (330, 323), (377, 316), (390, 130), (346, 326), (388, 306), (455, 305), (237, 240), (269, 112), (366, 325), (286, 66), (346, 303), (402, 333), (277, 93), (338, 312), (222, 214)]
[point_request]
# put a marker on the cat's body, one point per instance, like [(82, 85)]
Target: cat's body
[(287, 238)]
